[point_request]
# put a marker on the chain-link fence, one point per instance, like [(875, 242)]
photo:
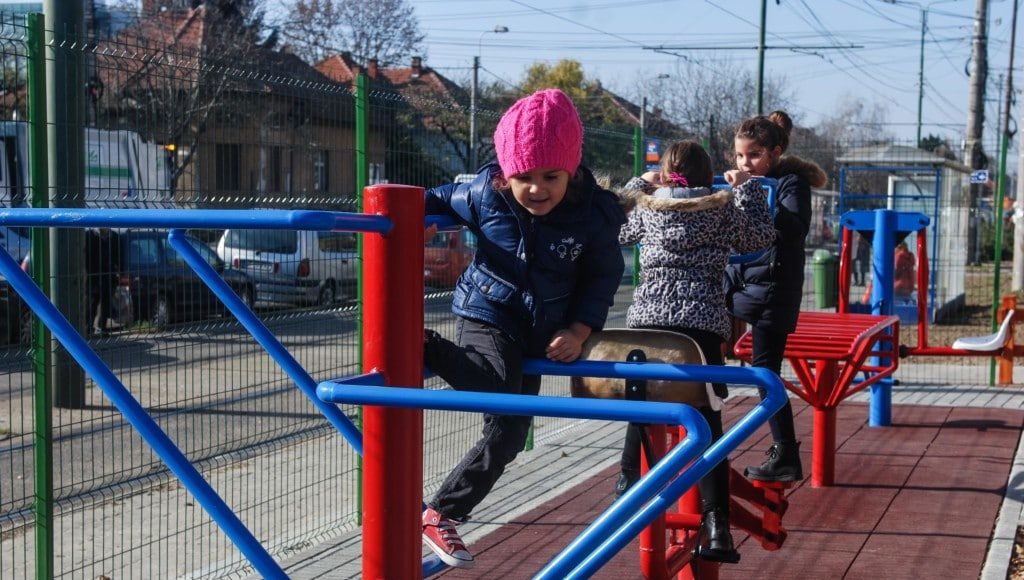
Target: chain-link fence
[(178, 114)]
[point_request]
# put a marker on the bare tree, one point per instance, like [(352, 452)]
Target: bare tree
[(856, 121), (386, 30), (709, 98), (192, 60)]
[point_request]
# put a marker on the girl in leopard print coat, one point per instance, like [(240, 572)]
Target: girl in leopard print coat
[(686, 233)]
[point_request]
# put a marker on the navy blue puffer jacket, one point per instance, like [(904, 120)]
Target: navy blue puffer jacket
[(533, 276), (766, 292)]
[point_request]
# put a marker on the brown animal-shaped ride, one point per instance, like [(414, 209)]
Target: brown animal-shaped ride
[(659, 346)]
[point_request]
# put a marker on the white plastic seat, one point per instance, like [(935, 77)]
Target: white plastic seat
[(989, 342)]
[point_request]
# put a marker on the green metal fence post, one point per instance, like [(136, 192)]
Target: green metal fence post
[(362, 178), (43, 446), (997, 258)]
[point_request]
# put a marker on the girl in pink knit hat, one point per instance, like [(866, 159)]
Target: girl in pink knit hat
[(543, 278)]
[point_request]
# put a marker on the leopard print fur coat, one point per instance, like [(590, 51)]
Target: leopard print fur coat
[(685, 245)]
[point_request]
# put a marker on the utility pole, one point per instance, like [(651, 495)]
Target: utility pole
[(65, 113), (499, 29), (760, 59), (472, 116), (974, 156), (920, 76)]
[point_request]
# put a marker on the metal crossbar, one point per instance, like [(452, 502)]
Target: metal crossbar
[(653, 494), (112, 387), (606, 536)]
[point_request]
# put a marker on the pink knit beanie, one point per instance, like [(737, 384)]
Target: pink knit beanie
[(541, 130)]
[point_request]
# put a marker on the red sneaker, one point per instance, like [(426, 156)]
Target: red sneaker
[(440, 536)]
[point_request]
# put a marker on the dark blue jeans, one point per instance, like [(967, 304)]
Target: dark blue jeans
[(482, 358)]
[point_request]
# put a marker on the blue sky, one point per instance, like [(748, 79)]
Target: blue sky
[(608, 37)]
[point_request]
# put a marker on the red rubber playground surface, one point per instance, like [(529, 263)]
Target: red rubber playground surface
[(915, 500)]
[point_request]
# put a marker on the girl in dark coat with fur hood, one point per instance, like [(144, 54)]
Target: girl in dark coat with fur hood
[(767, 292)]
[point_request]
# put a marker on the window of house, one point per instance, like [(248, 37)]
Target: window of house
[(320, 170), (228, 158)]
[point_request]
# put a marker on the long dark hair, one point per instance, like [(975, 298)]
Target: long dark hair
[(769, 132)]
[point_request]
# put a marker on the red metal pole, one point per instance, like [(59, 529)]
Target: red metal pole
[(844, 271), (922, 288), (393, 346), (652, 538), (823, 458)]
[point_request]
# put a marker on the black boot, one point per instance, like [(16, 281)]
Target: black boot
[(627, 478), (783, 464), (715, 538)]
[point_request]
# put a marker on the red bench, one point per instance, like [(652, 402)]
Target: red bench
[(828, 351)]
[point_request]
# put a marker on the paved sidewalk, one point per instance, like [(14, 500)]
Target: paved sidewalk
[(925, 497)]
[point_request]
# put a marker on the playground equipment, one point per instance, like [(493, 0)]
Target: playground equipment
[(888, 228), (922, 182), (391, 441), (827, 351), (662, 557)]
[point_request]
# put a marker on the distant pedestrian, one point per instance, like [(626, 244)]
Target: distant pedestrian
[(905, 270), (102, 268), (861, 260)]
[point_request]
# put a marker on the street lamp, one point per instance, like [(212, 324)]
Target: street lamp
[(499, 29)]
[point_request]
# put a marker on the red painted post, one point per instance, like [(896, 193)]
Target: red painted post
[(393, 346), (652, 538), (823, 454)]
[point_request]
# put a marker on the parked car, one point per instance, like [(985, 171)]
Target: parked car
[(163, 288), (446, 256), (294, 267)]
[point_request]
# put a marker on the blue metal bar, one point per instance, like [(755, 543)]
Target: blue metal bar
[(267, 219), (442, 222), (882, 298), (505, 404), (267, 340), (615, 528), (137, 416), (652, 371), (698, 435), (606, 536), (433, 565)]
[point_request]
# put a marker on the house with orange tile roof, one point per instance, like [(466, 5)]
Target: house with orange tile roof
[(243, 123)]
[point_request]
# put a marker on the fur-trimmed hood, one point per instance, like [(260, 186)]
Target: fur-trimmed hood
[(713, 200), (808, 170), (638, 192)]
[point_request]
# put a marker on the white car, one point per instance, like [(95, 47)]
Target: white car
[(293, 267)]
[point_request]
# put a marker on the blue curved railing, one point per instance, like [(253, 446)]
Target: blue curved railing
[(655, 492), (112, 387)]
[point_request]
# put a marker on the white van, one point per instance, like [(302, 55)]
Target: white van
[(293, 267), (121, 170)]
